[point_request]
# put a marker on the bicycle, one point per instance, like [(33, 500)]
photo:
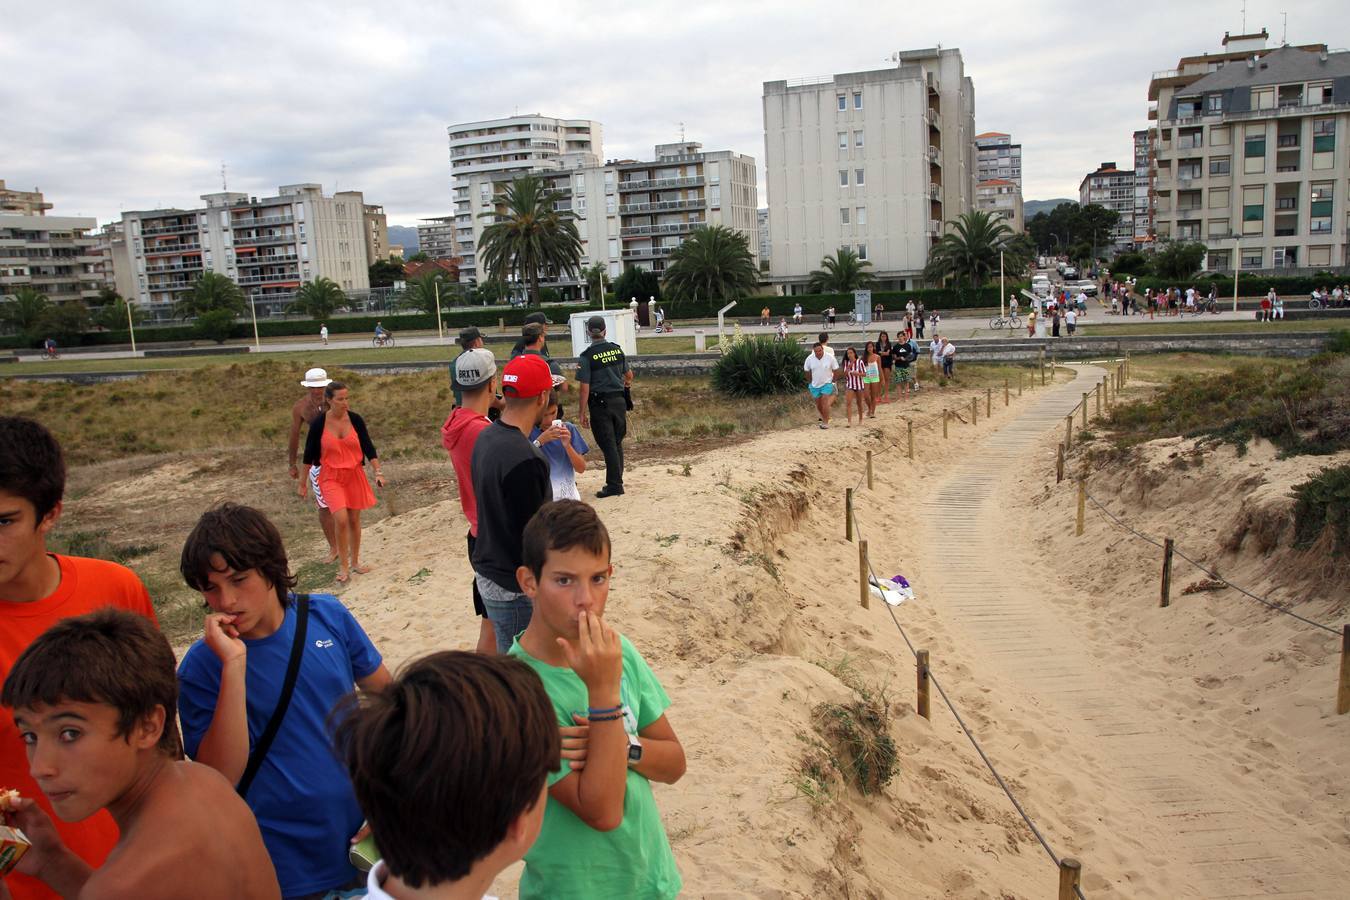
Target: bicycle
[(1011, 321), (51, 353), (1314, 304), (384, 340)]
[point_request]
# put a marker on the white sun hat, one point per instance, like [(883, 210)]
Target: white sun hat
[(316, 378)]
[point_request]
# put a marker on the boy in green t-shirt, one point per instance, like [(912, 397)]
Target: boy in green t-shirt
[(602, 834)]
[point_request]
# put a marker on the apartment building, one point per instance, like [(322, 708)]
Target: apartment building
[(762, 218), (1252, 158), (268, 246), (1112, 188), (1000, 197), (56, 255), (872, 161), (509, 147), (996, 156), (436, 237), (636, 212), (22, 203), (376, 227), (1143, 187)]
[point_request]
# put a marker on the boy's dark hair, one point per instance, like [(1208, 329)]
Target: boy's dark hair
[(32, 465), (562, 525), (245, 539), (446, 757), (110, 656)]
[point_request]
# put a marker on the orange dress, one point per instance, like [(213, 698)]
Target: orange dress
[(342, 478)]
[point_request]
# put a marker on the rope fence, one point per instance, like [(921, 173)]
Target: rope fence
[(1070, 870)]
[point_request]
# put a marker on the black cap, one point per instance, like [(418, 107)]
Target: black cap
[(537, 317), (468, 335), (595, 325)]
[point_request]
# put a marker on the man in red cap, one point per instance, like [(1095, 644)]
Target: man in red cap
[(510, 482)]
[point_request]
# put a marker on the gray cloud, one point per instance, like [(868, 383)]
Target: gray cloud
[(135, 105)]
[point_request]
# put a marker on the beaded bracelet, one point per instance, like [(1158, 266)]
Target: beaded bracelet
[(596, 711), (610, 718)]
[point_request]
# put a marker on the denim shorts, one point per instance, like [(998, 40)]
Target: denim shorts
[(508, 611)]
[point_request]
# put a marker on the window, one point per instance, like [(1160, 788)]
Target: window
[(1218, 228), (843, 102), (862, 251), (1253, 210), (611, 204), (1218, 198), (858, 177), (860, 215), (857, 100), (1263, 99), (843, 177), (715, 195), (1218, 137), (1319, 256), (843, 140), (1255, 145), (1214, 103), (1219, 165), (1252, 258), (857, 138), (1324, 143), (843, 215)]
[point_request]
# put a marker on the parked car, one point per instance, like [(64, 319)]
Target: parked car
[(1069, 272), (1087, 286), (1040, 286)]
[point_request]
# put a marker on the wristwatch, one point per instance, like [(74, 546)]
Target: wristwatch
[(634, 750), (536, 444)]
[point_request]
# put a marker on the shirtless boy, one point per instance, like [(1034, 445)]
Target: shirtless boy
[(305, 411), (94, 700)]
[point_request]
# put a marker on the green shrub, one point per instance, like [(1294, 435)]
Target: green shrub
[(760, 367), (215, 325), (1323, 506)]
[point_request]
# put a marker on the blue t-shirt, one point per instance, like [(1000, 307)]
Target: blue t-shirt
[(560, 471), (301, 797)]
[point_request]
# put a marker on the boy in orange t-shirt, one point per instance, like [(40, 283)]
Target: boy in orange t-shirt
[(38, 589)]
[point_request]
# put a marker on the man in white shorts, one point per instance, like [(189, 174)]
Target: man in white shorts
[(304, 412)]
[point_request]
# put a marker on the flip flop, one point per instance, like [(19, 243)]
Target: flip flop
[(342, 579), (361, 570)]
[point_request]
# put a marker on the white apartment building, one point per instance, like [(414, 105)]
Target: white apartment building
[(765, 242), (14, 202), (269, 246), (1143, 187), (509, 147), (56, 255), (1252, 158), (872, 161), (996, 156), (436, 237), (636, 212), (1000, 197), (1112, 188)]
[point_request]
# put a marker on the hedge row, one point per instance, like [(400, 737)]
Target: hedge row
[(932, 299), (1249, 285)]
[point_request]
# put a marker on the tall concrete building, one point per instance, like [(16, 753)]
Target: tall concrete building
[(765, 242), (1252, 154), (1001, 198), (636, 212), (22, 203), (377, 233), (1112, 188), (269, 246), (510, 146), (436, 237), (996, 156), (56, 255), (873, 161), (1143, 188)]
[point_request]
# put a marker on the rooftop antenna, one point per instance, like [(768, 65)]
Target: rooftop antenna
[(1284, 38), (1244, 16), (681, 124), (223, 185)]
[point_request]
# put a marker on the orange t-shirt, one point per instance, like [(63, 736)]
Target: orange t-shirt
[(86, 585)]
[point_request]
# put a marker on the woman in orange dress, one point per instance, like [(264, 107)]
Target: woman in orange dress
[(340, 445)]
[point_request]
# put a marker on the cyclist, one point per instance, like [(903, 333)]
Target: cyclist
[(49, 349), (381, 333)]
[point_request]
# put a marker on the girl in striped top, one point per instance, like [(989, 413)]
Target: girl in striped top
[(855, 370)]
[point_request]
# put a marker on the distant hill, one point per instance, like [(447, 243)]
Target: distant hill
[(406, 235), (1029, 208)]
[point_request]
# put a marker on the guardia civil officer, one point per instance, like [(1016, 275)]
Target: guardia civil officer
[(604, 374)]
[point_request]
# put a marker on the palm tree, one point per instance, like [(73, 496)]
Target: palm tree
[(319, 298), (969, 250), (22, 313), (528, 235), (843, 273), (594, 276), (714, 262), (212, 291), (424, 292)]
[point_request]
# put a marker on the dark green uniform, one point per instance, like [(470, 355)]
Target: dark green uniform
[(603, 366)]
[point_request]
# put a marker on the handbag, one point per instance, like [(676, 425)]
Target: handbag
[(269, 733)]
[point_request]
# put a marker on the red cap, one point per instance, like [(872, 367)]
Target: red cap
[(528, 375)]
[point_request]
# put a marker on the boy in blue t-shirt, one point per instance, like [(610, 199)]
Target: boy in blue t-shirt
[(602, 835), (231, 682), (563, 447)]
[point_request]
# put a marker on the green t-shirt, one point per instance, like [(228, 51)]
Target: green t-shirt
[(571, 859), (602, 365)]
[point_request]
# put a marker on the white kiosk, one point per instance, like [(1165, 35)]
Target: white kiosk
[(620, 327)]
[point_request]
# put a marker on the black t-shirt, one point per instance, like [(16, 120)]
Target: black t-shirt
[(511, 482)]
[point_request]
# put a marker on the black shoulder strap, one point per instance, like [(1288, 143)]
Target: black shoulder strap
[(269, 734)]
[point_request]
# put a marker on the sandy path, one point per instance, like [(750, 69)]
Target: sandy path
[(1169, 810)]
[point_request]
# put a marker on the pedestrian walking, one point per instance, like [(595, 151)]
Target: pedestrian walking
[(873, 377), (1031, 323), (1071, 320), (821, 366), (605, 379), (796, 314), (855, 371), (339, 444), (887, 364), (948, 358), (303, 413), (323, 334), (1054, 323)]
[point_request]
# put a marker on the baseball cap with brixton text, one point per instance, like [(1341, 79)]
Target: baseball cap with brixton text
[(475, 367), (526, 376)]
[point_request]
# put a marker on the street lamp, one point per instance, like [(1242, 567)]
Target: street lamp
[(1237, 268)]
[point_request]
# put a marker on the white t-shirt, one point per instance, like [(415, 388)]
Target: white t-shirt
[(1071, 317), (375, 883), (949, 350), (822, 368)]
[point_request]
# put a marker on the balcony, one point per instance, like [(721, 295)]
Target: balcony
[(660, 184), (173, 250), (255, 221), (934, 226), (267, 279), (262, 240), (647, 252), (1286, 140), (935, 191), (667, 228), (1287, 111), (934, 157), (193, 266), (250, 259), (662, 205), (169, 229)]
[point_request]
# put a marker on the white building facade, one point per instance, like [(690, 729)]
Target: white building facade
[(55, 255), (1112, 188)]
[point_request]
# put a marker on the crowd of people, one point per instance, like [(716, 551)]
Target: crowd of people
[(865, 377), (281, 747)]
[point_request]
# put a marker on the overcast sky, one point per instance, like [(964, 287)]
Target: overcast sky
[(134, 105)]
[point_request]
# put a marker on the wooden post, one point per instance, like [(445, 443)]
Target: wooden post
[(864, 589), (869, 470), (848, 514), (1019, 384), (1099, 399), (1343, 692), (1082, 506), (1104, 388), (1070, 872), (909, 428), (501, 324), (1167, 573), (1068, 432), (988, 402), (921, 664), (1085, 409), (1042, 359), (1059, 464), (1053, 366), (974, 410), (944, 424), (1007, 395)]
